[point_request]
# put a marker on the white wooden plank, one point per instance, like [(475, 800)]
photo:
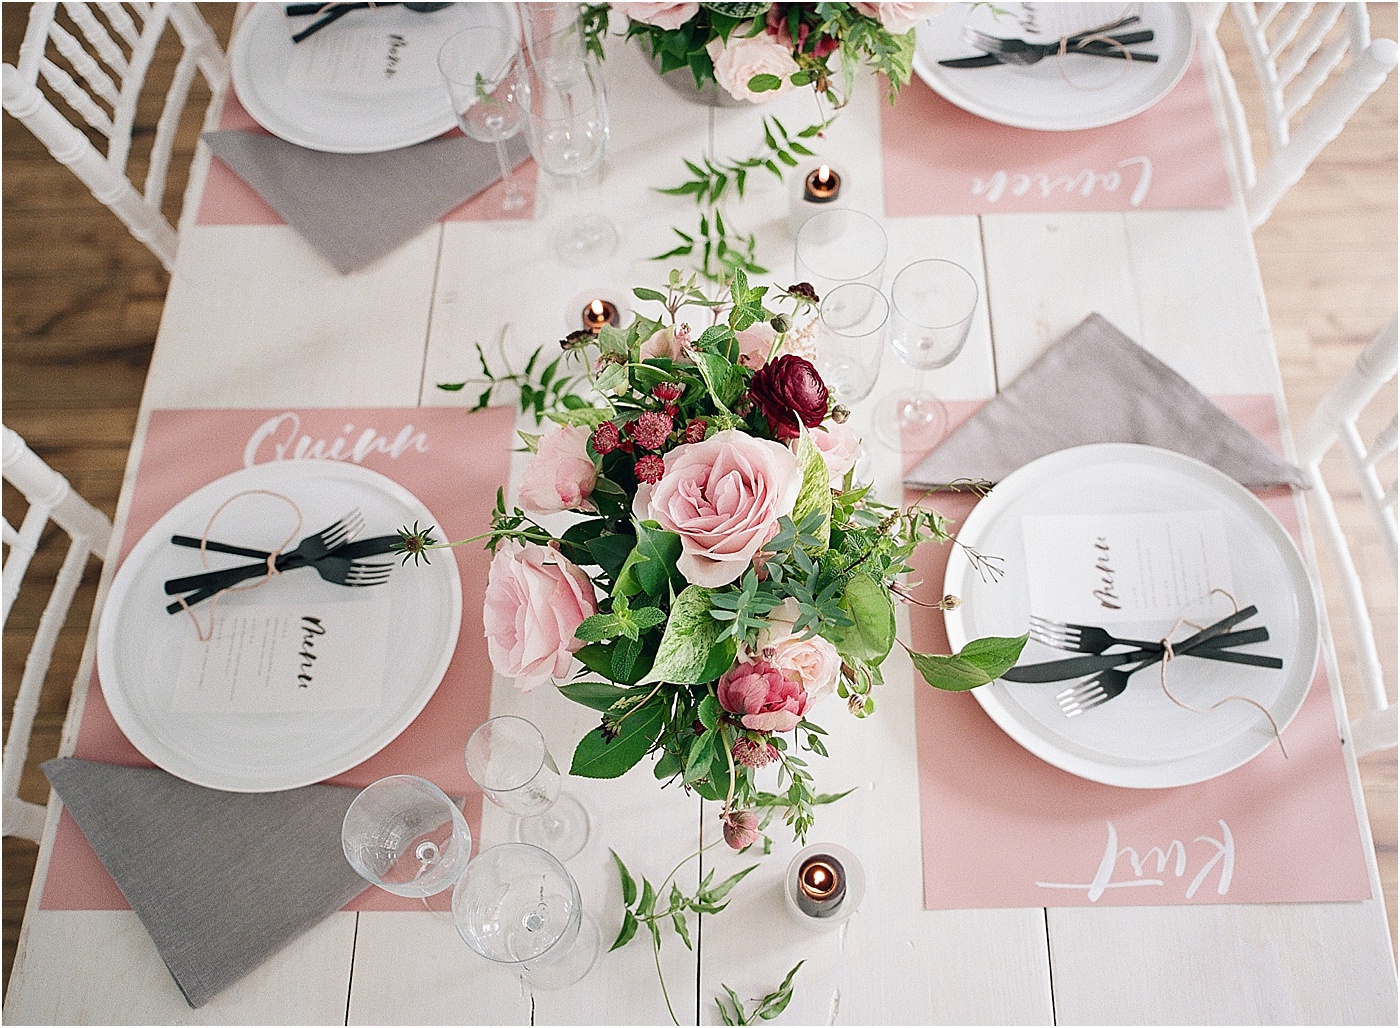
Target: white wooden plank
[(100, 967)]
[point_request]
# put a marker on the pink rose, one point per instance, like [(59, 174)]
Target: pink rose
[(754, 344), (840, 448), (766, 699), (899, 17), (723, 496), (743, 58), (561, 474), (740, 828), (663, 16), (812, 663), (535, 601)]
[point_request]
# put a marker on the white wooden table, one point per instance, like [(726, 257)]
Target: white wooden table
[(247, 302)]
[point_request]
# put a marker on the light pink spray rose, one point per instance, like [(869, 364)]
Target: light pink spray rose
[(840, 449), (662, 15), (743, 58), (766, 699), (667, 342), (812, 663), (561, 474), (754, 344), (900, 16), (535, 601), (723, 496)]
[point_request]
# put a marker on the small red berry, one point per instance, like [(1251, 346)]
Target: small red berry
[(650, 468), (605, 438)]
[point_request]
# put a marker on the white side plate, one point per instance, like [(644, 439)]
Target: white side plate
[(139, 644), (1141, 739), (1038, 96)]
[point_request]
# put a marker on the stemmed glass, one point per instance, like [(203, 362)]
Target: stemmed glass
[(521, 908), (553, 40), (566, 124), (507, 757), (483, 69), (932, 303), (406, 836), (851, 339)]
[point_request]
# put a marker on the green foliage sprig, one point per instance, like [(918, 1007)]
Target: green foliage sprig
[(731, 1009), (540, 385)]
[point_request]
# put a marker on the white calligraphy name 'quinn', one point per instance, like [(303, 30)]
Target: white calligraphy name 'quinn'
[(1085, 183), (1219, 854), (280, 438)]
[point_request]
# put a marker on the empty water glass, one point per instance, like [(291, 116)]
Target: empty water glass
[(840, 246), (482, 68), (507, 757), (406, 836), (850, 340)]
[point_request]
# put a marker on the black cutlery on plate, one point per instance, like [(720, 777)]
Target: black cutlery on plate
[(1032, 53), (334, 12), (222, 578)]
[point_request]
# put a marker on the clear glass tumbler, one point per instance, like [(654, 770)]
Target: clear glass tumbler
[(932, 305), (507, 757), (406, 836), (851, 339)]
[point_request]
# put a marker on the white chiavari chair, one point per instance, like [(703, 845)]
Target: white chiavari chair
[(51, 500), (1316, 64), (93, 60), (1372, 464)]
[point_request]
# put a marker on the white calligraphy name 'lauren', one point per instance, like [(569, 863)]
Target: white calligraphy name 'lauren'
[(1221, 855), (1000, 183), (281, 438)]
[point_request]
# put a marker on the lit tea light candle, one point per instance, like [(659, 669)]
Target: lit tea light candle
[(822, 185), (821, 885), (598, 313)]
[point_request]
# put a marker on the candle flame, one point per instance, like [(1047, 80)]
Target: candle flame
[(596, 308), (824, 174)]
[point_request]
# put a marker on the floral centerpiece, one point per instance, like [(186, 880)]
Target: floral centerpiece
[(755, 51), (723, 573)]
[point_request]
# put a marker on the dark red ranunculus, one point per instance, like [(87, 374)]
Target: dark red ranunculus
[(791, 394)]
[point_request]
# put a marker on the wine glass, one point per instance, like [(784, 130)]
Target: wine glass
[(521, 908), (840, 246), (932, 303), (507, 757), (566, 124), (483, 70), (553, 40), (406, 836), (851, 339)]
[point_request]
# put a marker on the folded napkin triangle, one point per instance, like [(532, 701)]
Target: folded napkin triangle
[(1097, 386), (220, 880), (354, 208)]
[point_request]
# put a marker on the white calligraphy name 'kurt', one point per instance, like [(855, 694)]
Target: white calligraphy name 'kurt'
[(280, 438), (1085, 183), (1221, 854)]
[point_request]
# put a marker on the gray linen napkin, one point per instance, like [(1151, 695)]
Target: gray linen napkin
[(354, 208), (221, 880), (1097, 386)]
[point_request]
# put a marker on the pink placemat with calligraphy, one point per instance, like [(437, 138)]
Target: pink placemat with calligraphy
[(228, 200), (939, 159), (1002, 828), (452, 460)]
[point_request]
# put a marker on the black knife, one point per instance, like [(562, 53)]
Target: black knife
[(1078, 667)]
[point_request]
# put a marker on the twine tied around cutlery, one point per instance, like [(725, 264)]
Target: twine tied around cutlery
[(257, 583), (1168, 654), (1062, 49)]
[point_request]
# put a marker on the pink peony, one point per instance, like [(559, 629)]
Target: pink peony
[(743, 58), (535, 601), (740, 828), (812, 663), (766, 699), (840, 448), (723, 496), (754, 344), (662, 15), (901, 16), (561, 474)]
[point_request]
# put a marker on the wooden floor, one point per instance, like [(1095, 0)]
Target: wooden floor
[(82, 301)]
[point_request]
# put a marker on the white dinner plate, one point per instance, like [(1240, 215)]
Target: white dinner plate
[(139, 645), (350, 122), (1038, 96), (1141, 739)]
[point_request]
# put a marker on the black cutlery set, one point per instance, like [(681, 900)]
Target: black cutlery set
[(1099, 42)]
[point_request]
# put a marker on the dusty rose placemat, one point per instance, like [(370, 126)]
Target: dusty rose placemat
[(452, 460), (228, 200), (939, 159), (1002, 828)]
